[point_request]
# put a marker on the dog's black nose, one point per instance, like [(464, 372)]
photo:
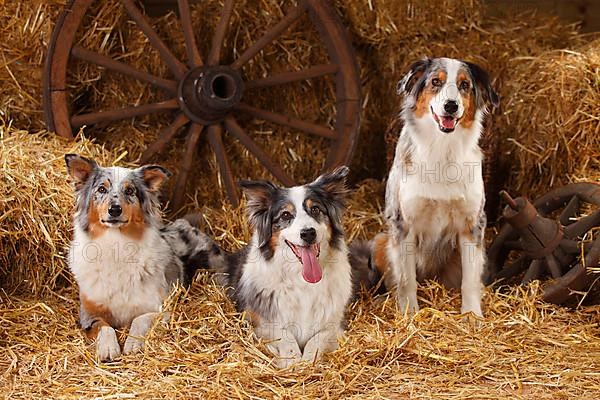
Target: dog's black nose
[(309, 235), (115, 210), (451, 106)]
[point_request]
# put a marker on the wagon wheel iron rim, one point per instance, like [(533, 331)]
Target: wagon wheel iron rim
[(571, 257), (202, 93)]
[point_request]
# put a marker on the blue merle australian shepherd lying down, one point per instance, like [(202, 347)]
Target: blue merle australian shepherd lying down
[(124, 259), (293, 280)]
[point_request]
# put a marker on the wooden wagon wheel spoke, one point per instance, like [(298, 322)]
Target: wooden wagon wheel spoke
[(562, 257), (295, 76), (236, 130), (191, 146), (214, 54), (573, 247), (570, 211), (533, 272), (553, 266), (288, 121), (80, 120), (514, 245), (515, 268), (214, 134), (194, 58), (164, 137), (287, 21), (117, 66), (176, 67), (583, 225)]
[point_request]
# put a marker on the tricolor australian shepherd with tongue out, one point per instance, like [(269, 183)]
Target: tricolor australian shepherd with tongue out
[(293, 280), (434, 202)]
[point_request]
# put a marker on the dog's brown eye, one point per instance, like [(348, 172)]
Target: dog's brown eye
[(436, 82), (286, 216), (314, 210), (129, 191), (464, 85), (102, 190)]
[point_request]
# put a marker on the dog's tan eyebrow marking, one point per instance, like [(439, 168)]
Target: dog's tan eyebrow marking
[(128, 184), (309, 203), (462, 76), (442, 75), (289, 207)]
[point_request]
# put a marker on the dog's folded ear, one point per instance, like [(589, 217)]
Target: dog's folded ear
[(334, 183), (417, 69), (259, 196), (79, 168), (484, 90), (258, 193), (154, 176)]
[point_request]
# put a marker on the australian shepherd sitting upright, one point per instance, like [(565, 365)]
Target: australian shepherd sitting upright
[(124, 259), (293, 280), (434, 204)]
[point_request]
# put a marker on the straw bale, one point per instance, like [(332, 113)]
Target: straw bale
[(381, 22), (553, 116), (26, 27)]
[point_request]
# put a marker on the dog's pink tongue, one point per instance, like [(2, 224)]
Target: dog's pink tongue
[(448, 122), (311, 269)]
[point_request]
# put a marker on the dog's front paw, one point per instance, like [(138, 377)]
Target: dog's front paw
[(472, 315), (133, 345), (286, 362), (473, 307), (107, 345), (287, 356), (407, 303), (311, 352)]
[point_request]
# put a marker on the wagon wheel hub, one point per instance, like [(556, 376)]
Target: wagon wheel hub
[(207, 94)]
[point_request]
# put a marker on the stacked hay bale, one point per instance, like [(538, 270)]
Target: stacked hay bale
[(26, 28), (552, 119)]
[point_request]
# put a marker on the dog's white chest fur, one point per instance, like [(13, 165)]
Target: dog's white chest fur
[(126, 276), (301, 309), (442, 187)]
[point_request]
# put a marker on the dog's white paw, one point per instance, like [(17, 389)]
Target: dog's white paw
[(133, 345), (107, 345), (282, 363), (407, 303), (311, 353), (287, 356), (472, 315), (471, 307)]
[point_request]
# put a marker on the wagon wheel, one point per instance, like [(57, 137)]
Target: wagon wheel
[(550, 238), (204, 94)]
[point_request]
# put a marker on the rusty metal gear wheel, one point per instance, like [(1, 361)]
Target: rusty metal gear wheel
[(547, 238), (205, 94)]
